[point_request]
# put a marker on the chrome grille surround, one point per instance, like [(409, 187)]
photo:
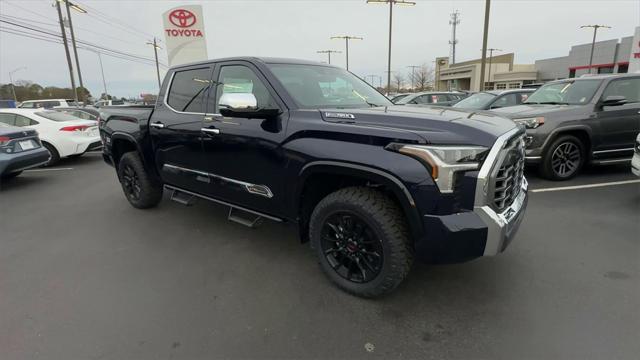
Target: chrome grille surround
[(507, 182)]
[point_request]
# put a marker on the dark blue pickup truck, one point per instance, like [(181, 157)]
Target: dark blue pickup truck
[(369, 184)]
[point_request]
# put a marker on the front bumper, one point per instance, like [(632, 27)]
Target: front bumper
[(23, 160)]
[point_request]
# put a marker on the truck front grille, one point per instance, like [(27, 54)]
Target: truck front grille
[(508, 180)]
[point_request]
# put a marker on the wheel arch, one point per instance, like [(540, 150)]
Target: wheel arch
[(584, 133), (122, 143), (320, 178)]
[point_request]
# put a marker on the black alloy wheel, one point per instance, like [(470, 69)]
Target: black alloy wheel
[(131, 182), (351, 247)]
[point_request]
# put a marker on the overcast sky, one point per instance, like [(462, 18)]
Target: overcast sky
[(531, 29)]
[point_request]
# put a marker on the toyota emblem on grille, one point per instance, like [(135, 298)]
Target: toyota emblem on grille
[(182, 18)]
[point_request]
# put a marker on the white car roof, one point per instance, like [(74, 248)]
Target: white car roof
[(23, 111), (48, 100)]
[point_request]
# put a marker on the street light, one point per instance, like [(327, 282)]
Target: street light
[(391, 3), (13, 89), (346, 41), (491, 50), (593, 43), (328, 52)]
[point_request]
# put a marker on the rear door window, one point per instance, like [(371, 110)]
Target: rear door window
[(188, 90), (9, 119), (24, 121), (629, 88)]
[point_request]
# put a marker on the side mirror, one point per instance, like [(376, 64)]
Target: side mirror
[(614, 100), (243, 105)]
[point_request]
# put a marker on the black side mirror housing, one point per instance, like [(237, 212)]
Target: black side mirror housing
[(614, 100)]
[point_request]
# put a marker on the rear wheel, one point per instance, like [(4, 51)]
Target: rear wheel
[(563, 159), (361, 240), (140, 188), (55, 156)]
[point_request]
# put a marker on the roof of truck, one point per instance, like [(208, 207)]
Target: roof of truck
[(266, 60)]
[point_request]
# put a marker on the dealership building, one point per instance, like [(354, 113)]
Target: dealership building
[(609, 56)]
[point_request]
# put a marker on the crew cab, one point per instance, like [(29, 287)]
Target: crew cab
[(573, 122), (369, 184)]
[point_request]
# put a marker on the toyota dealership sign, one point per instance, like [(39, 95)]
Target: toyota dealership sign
[(184, 34)]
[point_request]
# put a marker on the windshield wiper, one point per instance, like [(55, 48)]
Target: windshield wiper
[(365, 99), (554, 103)]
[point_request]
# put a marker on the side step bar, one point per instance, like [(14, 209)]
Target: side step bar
[(610, 161), (186, 197)]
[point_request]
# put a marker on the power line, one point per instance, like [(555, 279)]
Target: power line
[(40, 30), (115, 21)]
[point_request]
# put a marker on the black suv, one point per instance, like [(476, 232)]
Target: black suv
[(371, 185), (592, 119)]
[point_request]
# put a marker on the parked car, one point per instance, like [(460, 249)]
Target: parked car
[(494, 99), (635, 161), (61, 134), (572, 122), (370, 185), (85, 113), (396, 97), (7, 104), (102, 103), (20, 149), (47, 103), (431, 98)]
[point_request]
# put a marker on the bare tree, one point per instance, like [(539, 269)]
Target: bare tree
[(424, 78), (399, 79)]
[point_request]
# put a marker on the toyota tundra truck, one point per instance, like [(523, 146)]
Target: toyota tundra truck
[(370, 185)]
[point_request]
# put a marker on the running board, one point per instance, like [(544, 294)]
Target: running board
[(252, 223), (610, 161), (181, 194)]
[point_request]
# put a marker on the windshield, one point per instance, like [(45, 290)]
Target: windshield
[(574, 92), (322, 86), (117, 102), (406, 99), (56, 116), (477, 101), (398, 97)]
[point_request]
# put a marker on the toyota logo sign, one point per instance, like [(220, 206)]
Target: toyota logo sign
[(182, 18)]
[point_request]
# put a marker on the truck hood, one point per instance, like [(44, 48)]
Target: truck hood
[(533, 110), (434, 125)]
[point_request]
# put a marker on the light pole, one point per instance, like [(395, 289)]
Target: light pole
[(329, 52), (155, 51), (69, 6), (593, 42), (13, 89), (491, 50), (346, 41), (66, 51), (413, 75), (485, 36), (391, 3)]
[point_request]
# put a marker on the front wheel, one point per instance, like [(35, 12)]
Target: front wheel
[(140, 188), (361, 239), (563, 159)]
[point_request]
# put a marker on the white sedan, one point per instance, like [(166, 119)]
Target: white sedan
[(62, 134)]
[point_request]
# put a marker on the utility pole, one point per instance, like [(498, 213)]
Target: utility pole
[(455, 20), (155, 51), (329, 52), (491, 50), (593, 42), (13, 89), (346, 41), (66, 50), (391, 3), (485, 36), (104, 82), (413, 75), (77, 8)]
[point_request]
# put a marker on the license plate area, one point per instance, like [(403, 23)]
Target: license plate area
[(25, 145)]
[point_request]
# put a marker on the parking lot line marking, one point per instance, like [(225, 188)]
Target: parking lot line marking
[(51, 169), (586, 186)]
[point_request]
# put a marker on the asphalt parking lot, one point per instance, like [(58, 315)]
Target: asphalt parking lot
[(83, 275)]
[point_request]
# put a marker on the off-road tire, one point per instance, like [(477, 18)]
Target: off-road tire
[(387, 222), (150, 189)]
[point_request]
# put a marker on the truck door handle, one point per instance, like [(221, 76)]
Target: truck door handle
[(210, 131), (157, 124)]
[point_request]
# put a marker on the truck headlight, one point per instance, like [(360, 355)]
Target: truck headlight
[(530, 123), (445, 161)]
